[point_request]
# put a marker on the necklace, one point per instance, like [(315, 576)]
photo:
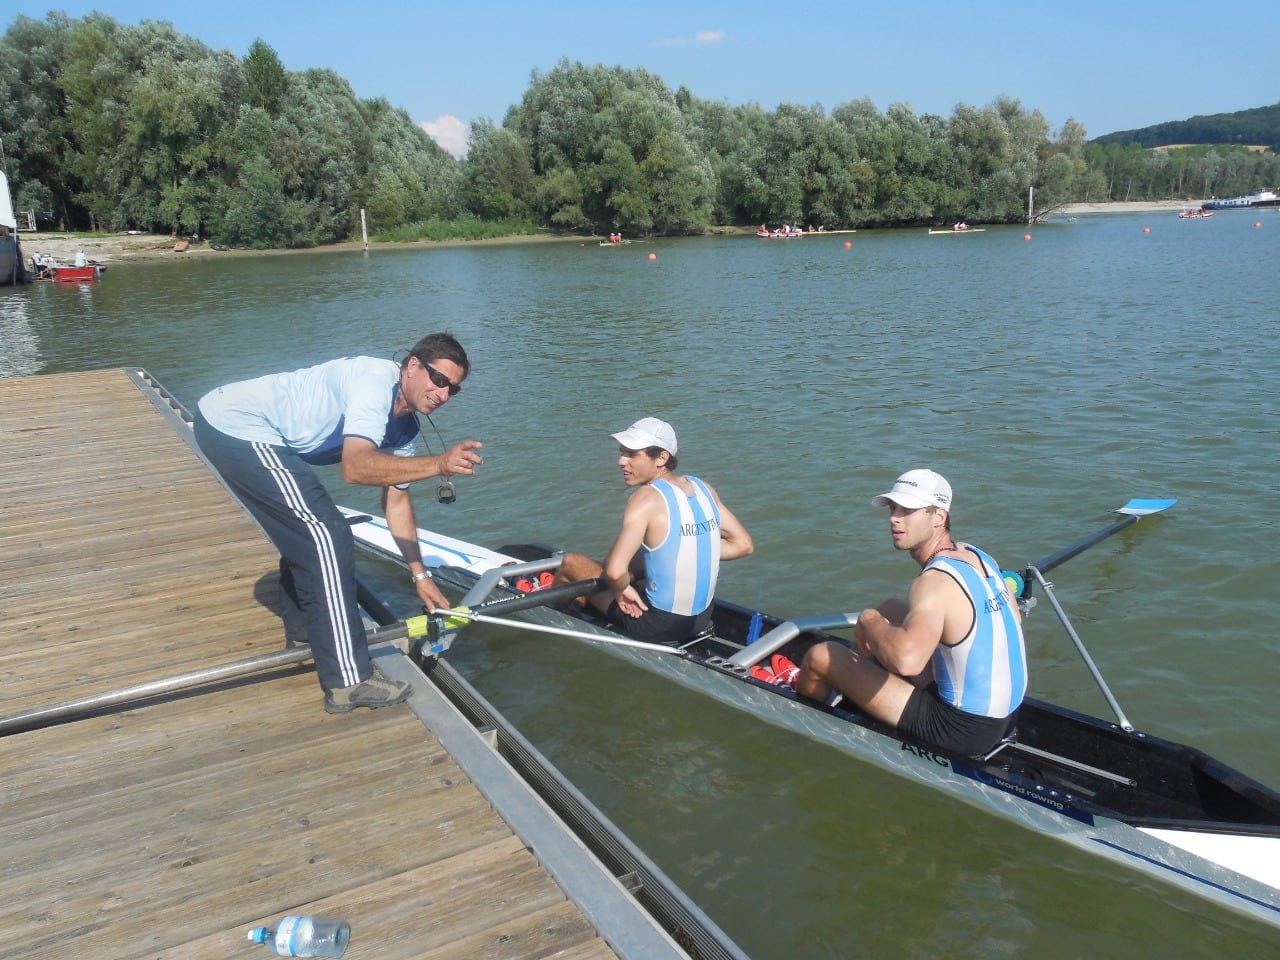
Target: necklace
[(950, 546)]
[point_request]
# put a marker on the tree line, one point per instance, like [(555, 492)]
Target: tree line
[(1259, 126), (113, 127)]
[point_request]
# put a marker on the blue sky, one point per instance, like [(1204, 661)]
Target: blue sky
[(1112, 66)]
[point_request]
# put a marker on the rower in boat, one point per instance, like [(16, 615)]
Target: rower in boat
[(675, 532), (947, 667)]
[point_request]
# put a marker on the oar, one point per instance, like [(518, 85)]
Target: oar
[(451, 621), (414, 628), (1134, 510), (436, 629), (473, 617)]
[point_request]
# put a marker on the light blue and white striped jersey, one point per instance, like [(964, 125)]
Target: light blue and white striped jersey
[(681, 572), (311, 411), (986, 672)]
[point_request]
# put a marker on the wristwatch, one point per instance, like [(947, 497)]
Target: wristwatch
[(419, 577)]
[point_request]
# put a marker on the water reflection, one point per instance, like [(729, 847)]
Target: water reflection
[(19, 345)]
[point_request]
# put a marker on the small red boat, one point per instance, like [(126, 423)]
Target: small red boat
[(91, 271)]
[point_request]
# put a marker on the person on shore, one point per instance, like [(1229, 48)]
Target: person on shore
[(948, 666), (264, 435), (662, 569)]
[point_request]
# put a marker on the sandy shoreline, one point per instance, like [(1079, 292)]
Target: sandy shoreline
[(123, 248), (1130, 206)]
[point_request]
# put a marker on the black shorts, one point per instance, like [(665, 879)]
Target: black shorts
[(929, 718), (659, 626)]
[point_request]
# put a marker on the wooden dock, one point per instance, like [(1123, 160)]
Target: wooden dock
[(169, 827)]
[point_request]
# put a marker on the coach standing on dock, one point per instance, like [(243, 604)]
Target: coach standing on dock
[(264, 435)]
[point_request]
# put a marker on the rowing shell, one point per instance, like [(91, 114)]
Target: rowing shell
[(1155, 806), (943, 233)]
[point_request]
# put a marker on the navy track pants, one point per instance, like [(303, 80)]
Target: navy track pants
[(317, 551)]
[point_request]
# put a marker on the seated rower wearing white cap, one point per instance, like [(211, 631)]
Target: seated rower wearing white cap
[(661, 571), (947, 667)]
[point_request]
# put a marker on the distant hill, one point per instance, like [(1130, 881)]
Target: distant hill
[(1259, 126)]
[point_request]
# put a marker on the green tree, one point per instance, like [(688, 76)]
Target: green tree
[(409, 177), (173, 146), (498, 179), (266, 81), (622, 139), (33, 121)]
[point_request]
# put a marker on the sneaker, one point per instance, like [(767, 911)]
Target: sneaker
[(784, 670), (782, 674), (372, 693), (528, 585)]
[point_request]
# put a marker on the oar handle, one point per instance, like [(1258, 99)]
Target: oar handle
[(438, 627)]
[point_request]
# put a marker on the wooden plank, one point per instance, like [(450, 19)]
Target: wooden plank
[(238, 817), (170, 828), (122, 558)]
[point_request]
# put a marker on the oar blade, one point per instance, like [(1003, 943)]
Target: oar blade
[(1144, 508), (1134, 510)]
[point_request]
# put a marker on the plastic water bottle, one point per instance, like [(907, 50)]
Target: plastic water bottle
[(305, 937)]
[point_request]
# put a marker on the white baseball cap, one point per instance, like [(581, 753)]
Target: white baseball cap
[(917, 488), (649, 432)]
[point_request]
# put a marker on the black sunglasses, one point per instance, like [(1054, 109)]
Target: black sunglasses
[(440, 380)]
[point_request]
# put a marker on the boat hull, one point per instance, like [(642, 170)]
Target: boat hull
[(1263, 198), (77, 274), (1159, 807), (11, 266), (12, 269)]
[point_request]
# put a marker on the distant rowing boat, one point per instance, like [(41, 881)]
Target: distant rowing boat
[(952, 231), (787, 234)]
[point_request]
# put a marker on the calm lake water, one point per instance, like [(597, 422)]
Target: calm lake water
[(1050, 379)]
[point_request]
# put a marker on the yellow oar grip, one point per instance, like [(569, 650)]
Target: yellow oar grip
[(450, 624), (417, 626)]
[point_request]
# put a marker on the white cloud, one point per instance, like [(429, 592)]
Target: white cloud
[(702, 38), (450, 132)]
